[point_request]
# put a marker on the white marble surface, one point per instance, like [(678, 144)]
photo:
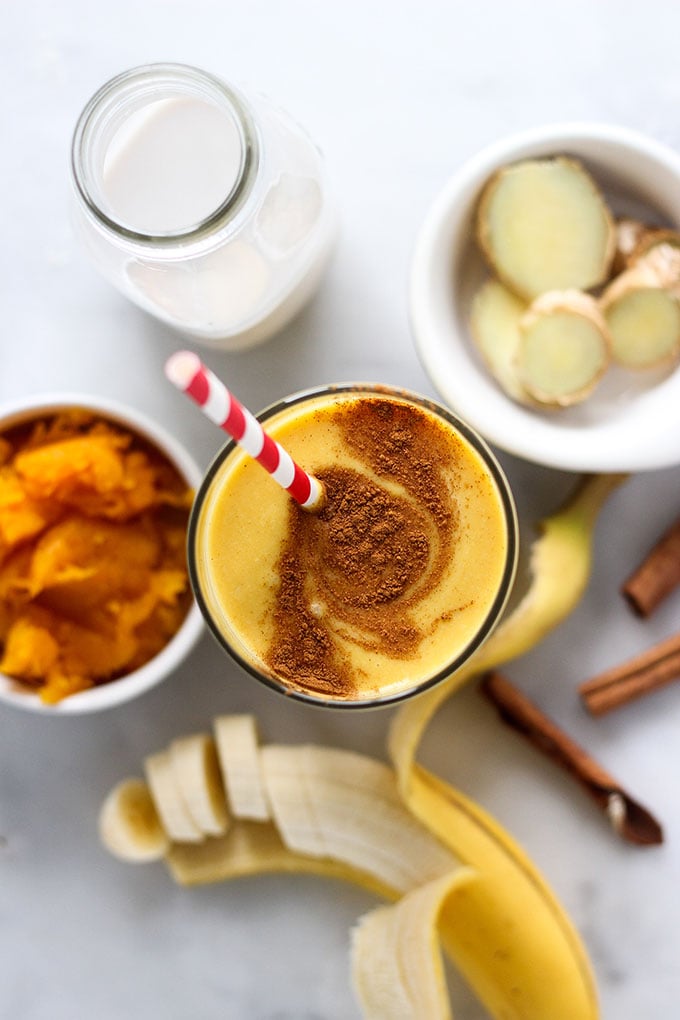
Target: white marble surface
[(398, 95)]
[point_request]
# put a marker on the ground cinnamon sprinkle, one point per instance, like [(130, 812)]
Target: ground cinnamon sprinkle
[(357, 569)]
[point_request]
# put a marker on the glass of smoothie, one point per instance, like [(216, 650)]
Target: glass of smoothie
[(392, 584)]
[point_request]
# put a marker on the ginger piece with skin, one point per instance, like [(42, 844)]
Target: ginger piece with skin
[(642, 310), (494, 322), (564, 348), (543, 225)]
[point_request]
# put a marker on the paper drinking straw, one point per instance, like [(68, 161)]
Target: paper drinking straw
[(186, 371)]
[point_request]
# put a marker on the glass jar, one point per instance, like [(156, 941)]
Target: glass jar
[(207, 209)]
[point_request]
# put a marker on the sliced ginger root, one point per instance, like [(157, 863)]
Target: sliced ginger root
[(645, 329), (563, 349), (544, 225), (642, 310), (495, 319)]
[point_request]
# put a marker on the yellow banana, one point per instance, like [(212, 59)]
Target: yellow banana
[(505, 931), (550, 974), (346, 816)]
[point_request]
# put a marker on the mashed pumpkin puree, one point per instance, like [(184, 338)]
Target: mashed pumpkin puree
[(93, 579)]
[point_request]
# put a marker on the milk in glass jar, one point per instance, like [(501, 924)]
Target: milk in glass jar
[(207, 208)]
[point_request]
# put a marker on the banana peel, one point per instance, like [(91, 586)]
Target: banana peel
[(505, 931), (533, 968)]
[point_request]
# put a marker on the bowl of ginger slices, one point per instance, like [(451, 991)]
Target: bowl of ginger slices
[(545, 297), (95, 604)]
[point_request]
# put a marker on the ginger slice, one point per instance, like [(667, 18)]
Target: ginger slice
[(544, 225), (564, 348), (494, 323), (642, 310)]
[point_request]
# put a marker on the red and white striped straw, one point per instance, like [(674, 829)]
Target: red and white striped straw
[(187, 372)]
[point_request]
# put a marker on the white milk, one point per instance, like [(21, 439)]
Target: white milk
[(171, 165), (208, 212)]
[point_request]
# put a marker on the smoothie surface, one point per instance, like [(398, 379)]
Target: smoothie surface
[(384, 587)]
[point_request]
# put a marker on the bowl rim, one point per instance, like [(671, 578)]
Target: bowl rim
[(164, 662), (442, 218)]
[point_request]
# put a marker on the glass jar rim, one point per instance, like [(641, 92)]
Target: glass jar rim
[(495, 610), (175, 74)]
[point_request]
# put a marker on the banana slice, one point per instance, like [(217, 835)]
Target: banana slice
[(172, 811), (396, 963), (239, 757), (290, 801), (343, 805), (129, 826), (197, 774)]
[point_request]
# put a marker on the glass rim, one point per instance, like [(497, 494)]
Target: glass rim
[(495, 610), (172, 73)]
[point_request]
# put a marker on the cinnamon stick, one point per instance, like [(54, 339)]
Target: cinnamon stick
[(657, 575), (626, 816), (652, 669)]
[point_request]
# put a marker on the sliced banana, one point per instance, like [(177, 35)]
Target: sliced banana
[(344, 805), (172, 810), (197, 774), (239, 757), (129, 825), (291, 805)]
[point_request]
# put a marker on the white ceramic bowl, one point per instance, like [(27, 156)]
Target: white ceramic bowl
[(168, 659), (631, 422)]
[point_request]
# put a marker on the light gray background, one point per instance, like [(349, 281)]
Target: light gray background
[(397, 95)]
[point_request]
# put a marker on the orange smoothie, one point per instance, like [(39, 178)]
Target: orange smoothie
[(389, 586)]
